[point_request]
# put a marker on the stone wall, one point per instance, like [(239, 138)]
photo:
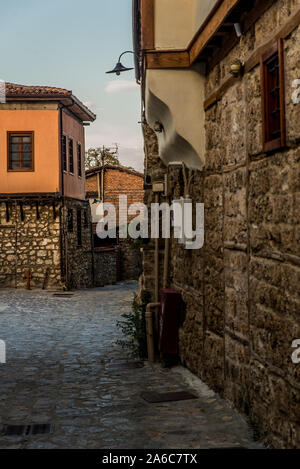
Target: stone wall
[(130, 262), (155, 170), (36, 239), (77, 260), (112, 264), (29, 244), (242, 289), (105, 266)]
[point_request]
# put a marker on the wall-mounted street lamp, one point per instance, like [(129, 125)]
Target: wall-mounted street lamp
[(119, 68), (237, 68)]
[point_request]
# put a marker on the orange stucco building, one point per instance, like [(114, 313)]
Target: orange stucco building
[(49, 114), (42, 188)]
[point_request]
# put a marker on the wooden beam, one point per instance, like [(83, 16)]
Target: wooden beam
[(247, 22), (182, 58), (254, 58), (168, 59), (216, 26), (220, 15), (147, 20), (282, 32)]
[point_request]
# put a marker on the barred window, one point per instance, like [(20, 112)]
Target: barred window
[(85, 218), (64, 152), (70, 220), (71, 156), (79, 159), (20, 151), (273, 102)]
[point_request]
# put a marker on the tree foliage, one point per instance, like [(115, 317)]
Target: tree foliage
[(94, 156), (133, 326)]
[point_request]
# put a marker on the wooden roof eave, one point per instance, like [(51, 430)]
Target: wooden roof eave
[(215, 37), (78, 108)]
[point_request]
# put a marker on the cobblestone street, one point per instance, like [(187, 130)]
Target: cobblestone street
[(60, 353)]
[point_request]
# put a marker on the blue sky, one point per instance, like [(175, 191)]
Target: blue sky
[(70, 44)]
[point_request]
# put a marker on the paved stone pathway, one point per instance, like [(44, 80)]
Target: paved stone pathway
[(59, 352)]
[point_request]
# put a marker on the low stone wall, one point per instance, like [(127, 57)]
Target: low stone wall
[(34, 237), (29, 241), (130, 262), (77, 259), (105, 266)]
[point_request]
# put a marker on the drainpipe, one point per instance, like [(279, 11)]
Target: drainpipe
[(166, 263), (102, 178), (167, 240), (98, 185), (63, 266), (156, 304), (156, 271), (150, 332), (16, 244)]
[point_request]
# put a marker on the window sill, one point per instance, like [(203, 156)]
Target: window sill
[(273, 145), (20, 170)]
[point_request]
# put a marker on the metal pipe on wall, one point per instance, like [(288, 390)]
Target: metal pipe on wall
[(166, 263), (156, 271), (150, 331)]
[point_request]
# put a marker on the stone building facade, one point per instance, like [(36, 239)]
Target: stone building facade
[(109, 184), (115, 259), (45, 221), (241, 290), (29, 245), (42, 245)]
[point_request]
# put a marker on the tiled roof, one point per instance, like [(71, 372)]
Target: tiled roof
[(96, 169), (24, 92), (13, 89)]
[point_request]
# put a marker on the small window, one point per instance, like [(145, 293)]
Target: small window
[(85, 218), (79, 228), (64, 152), (20, 151), (273, 102), (79, 159), (71, 156), (70, 220)]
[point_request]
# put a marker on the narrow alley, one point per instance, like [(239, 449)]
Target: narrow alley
[(65, 368)]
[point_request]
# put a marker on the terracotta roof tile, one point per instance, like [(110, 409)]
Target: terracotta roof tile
[(96, 169), (13, 89)]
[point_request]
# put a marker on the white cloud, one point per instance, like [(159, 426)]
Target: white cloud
[(118, 86), (89, 104)]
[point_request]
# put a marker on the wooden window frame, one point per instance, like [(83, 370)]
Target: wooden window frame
[(79, 159), (24, 133), (71, 158), (64, 156), (279, 142)]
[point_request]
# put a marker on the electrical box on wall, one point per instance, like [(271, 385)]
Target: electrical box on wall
[(158, 187)]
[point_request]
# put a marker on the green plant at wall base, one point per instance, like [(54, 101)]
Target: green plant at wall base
[(133, 326)]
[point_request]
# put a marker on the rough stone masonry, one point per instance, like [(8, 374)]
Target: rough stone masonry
[(35, 237), (242, 289)]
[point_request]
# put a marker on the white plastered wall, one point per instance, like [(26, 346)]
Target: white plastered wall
[(175, 99)]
